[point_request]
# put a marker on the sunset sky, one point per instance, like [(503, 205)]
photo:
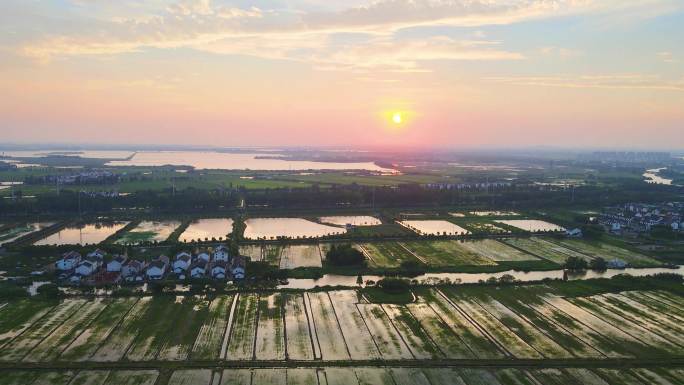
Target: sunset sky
[(461, 73)]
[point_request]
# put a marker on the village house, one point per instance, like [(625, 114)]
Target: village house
[(219, 269), (132, 269), (68, 261), (198, 269), (204, 256), (182, 263), (221, 253), (573, 233), (116, 264), (157, 268), (237, 267), (87, 267), (96, 254)]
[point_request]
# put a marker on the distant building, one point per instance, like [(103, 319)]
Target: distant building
[(616, 264), (87, 267), (198, 269), (182, 263), (573, 233), (237, 267), (221, 253), (158, 268), (132, 269), (68, 261), (204, 256), (117, 263), (219, 270)]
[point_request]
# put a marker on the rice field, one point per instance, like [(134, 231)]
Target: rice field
[(386, 254), (355, 220), (513, 322), (149, 231), (273, 228), (86, 234), (608, 252), (546, 249), (434, 227), (497, 251), (447, 253), (207, 228), (270, 334), (293, 257), (531, 225)]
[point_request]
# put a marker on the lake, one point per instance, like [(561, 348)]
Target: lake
[(271, 228), (653, 177), (88, 234), (236, 161), (207, 228)]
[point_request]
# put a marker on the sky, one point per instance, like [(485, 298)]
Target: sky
[(354, 73)]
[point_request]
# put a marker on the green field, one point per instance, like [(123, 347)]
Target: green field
[(608, 252), (585, 329), (386, 254), (546, 249), (447, 253)]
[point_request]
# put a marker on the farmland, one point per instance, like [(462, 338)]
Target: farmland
[(559, 322), (351, 376)]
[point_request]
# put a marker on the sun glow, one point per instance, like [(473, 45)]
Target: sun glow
[(396, 118)]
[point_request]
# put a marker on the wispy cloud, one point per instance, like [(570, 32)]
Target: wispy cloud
[(272, 33), (617, 81)]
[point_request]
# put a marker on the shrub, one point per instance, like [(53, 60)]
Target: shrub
[(394, 285), (575, 264)]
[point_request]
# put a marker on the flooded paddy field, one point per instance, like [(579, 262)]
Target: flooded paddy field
[(207, 228), (273, 228), (362, 375), (434, 227), (356, 220), (531, 225), (149, 231), (86, 234), (525, 322), (12, 233)]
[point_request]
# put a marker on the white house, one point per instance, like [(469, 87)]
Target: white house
[(97, 254), (68, 261), (221, 253), (219, 270), (132, 269), (204, 256), (87, 267), (574, 233), (117, 263), (75, 279), (183, 254), (157, 268), (182, 263), (198, 269), (237, 267)]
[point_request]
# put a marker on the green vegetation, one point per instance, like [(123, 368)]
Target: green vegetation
[(344, 255)]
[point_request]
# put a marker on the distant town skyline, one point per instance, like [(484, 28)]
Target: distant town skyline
[(354, 73)]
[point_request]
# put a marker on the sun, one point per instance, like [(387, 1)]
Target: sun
[(396, 118)]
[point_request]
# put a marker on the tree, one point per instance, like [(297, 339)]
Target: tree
[(345, 255), (575, 264), (394, 285), (598, 264)]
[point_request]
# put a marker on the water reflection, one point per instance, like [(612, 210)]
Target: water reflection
[(461, 278)]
